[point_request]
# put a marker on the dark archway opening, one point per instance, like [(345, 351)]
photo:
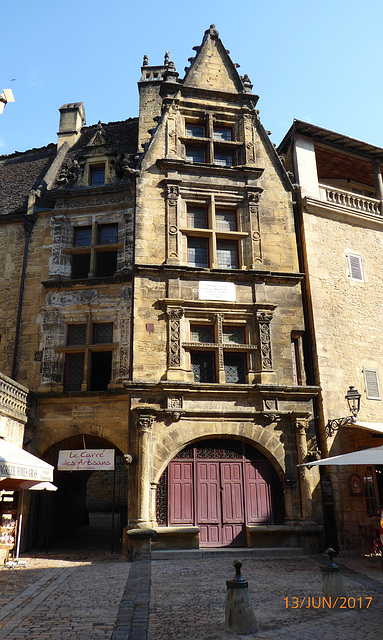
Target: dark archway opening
[(88, 511)]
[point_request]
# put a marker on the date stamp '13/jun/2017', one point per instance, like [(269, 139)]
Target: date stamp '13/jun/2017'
[(321, 602)]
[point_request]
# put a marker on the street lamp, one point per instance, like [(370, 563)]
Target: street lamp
[(353, 399)]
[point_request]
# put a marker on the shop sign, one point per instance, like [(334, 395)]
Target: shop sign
[(86, 460)]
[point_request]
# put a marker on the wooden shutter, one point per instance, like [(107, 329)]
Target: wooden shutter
[(372, 384), (355, 267)]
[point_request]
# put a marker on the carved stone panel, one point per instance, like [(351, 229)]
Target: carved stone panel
[(62, 237), (172, 193), (264, 319), (125, 236), (174, 341), (52, 366)]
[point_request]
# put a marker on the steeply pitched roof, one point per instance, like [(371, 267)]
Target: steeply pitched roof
[(118, 137), (21, 172)]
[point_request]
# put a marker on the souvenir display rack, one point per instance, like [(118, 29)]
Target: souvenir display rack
[(8, 524)]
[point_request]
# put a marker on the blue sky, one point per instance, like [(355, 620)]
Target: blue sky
[(315, 61)]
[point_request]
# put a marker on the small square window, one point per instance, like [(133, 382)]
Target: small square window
[(202, 334), (102, 333), (195, 130), (203, 366), (97, 175), (80, 265), (76, 334), (223, 159), (233, 334), (195, 154), (107, 233), (225, 220), (198, 252), (235, 368), (227, 254), (197, 218), (106, 263), (222, 133), (82, 236), (74, 371)]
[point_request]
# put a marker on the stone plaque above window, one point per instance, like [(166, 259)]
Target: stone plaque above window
[(211, 290)]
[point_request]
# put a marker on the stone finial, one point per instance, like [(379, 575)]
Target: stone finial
[(212, 31), (166, 58), (145, 61), (247, 83)]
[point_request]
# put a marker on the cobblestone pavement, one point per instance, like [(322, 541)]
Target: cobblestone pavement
[(94, 595), (188, 599)]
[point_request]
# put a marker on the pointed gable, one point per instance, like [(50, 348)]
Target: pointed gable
[(212, 67)]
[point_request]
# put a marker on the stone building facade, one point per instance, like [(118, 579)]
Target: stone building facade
[(153, 271), (340, 232)]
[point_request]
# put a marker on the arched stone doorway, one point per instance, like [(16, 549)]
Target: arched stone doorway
[(83, 498), (220, 485)]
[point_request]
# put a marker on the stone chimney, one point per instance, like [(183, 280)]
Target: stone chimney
[(72, 119), (150, 97)]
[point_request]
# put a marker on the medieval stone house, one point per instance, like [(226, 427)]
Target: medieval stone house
[(340, 244), (160, 311)]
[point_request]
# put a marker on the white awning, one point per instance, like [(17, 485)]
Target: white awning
[(366, 457), (18, 464), (370, 426)]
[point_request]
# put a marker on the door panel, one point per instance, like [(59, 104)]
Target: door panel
[(232, 492), (257, 492), (181, 509), (208, 496)]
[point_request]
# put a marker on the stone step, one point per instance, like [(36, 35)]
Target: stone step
[(238, 552)]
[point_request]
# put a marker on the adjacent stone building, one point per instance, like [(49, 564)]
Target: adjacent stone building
[(153, 305), (340, 224)]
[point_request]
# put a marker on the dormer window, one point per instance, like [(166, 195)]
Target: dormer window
[(210, 142), (97, 175)]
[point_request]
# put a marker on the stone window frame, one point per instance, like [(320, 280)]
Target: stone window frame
[(256, 319), (88, 347), (94, 249), (245, 202), (211, 121), (63, 226)]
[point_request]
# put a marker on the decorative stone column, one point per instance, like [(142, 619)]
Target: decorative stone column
[(144, 427), (302, 424)]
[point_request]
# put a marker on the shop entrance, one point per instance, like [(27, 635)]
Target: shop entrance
[(219, 486), (88, 510)]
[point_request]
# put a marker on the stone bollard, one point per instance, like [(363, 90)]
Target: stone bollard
[(239, 616), (333, 585)]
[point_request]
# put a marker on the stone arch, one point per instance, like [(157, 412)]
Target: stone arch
[(181, 435), (45, 441)]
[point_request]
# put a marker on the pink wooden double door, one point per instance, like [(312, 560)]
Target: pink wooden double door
[(220, 498)]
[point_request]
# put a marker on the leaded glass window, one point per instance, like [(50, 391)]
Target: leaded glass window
[(225, 220), (74, 371), (203, 366), (201, 334), (198, 252), (235, 370), (76, 334), (233, 334), (227, 254), (197, 218), (102, 333)]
